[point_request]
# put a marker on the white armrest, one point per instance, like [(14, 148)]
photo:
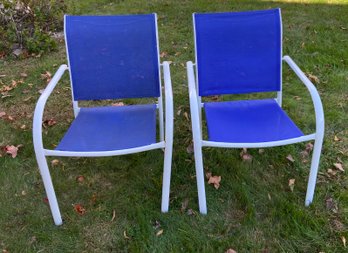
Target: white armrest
[(318, 107), (169, 116), (40, 106), (194, 102)]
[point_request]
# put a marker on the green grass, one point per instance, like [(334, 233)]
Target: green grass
[(253, 210)]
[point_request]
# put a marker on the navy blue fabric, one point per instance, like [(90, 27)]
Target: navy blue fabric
[(249, 121), (238, 52), (111, 128), (113, 56)]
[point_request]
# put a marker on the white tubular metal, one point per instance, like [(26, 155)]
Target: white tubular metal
[(197, 137), (320, 126), (49, 152), (38, 145), (280, 93), (168, 138), (258, 144)]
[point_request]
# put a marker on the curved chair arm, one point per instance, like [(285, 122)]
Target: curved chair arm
[(318, 106), (40, 106), (194, 106), (169, 108)]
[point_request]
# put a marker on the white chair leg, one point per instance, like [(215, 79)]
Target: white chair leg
[(313, 171), (51, 195), (166, 177), (200, 178)]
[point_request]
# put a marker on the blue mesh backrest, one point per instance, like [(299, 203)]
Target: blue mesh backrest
[(113, 56), (238, 52)]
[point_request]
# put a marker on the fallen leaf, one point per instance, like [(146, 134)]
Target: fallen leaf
[(23, 74), (46, 76), (344, 241), (190, 212), (178, 112), (309, 147), (79, 209), (331, 205), (2, 114), (339, 166), (160, 232), (245, 155), (313, 78), (215, 180), (11, 150), (184, 205), (336, 138), (24, 193), (54, 162), (261, 151), (48, 123), (125, 235), (331, 172), (297, 97), (113, 215), (189, 149), (186, 116), (208, 175), (23, 127), (231, 251), (292, 184), (80, 178), (163, 54), (118, 104), (290, 158)]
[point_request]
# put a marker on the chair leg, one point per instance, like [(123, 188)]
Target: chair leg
[(51, 195), (313, 171), (200, 178), (166, 177)]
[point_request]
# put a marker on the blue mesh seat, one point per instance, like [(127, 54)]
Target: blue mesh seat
[(249, 121), (111, 128), (111, 57), (241, 53)]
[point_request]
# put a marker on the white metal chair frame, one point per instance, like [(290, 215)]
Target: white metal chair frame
[(196, 106), (166, 138)]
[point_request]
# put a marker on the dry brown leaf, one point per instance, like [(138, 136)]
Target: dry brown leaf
[(208, 175), (160, 232), (344, 241), (23, 74), (231, 251), (79, 209), (23, 127), (313, 78), (292, 184), (55, 162), (331, 205), (113, 215), (46, 76), (331, 172), (163, 54), (48, 123), (290, 158), (336, 138), (2, 114), (178, 112), (189, 149), (125, 235), (118, 104), (215, 180), (186, 116), (245, 155), (184, 205), (80, 178), (12, 150), (339, 166), (309, 147)]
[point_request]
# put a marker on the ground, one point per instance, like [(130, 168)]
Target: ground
[(254, 210)]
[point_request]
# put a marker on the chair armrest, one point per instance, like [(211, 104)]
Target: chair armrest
[(169, 108), (318, 106), (194, 102), (40, 106)]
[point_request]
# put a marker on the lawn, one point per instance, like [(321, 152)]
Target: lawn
[(254, 210)]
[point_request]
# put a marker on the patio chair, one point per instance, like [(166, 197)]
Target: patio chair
[(239, 53), (111, 57)]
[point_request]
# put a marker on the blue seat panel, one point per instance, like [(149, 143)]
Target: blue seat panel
[(249, 121), (111, 128), (238, 52), (113, 57)]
